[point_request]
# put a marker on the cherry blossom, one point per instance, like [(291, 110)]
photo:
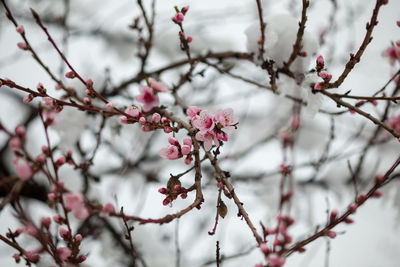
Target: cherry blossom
[(148, 98), (225, 118), (171, 152), (204, 121)]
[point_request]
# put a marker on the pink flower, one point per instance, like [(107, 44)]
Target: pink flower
[(148, 98), (192, 111), (159, 87), (171, 152), (225, 118), (204, 121), (207, 138), (24, 171), (64, 253), (134, 112), (393, 53)]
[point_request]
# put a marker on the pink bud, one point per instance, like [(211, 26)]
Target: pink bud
[(334, 214), (377, 194), (352, 111), (142, 120), (163, 190), (166, 202), (15, 143), (16, 257), (23, 46), (185, 9), (20, 29), (185, 149), (331, 234), (124, 120), (178, 18), (264, 248), (58, 219), (173, 141), (323, 74), (187, 141), (23, 170), (374, 102), (51, 196), (320, 61), (379, 178), (177, 187), (58, 86), (20, 130), (156, 117), (64, 233), (87, 101), (167, 129), (109, 106), (60, 161), (27, 98), (317, 86), (189, 39), (353, 207), (78, 238), (89, 82), (31, 255), (188, 160), (108, 208), (64, 253), (70, 75), (45, 221)]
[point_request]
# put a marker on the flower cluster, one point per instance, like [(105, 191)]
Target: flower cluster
[(172, 192), (211, 126), (176, 151)]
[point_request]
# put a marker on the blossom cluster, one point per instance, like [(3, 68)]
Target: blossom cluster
[(211, 127)]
